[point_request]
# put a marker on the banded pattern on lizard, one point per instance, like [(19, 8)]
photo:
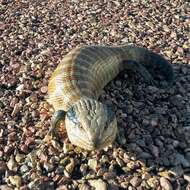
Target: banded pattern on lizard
[(78, 80)]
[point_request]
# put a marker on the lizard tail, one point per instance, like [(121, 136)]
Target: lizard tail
[(152, 66)]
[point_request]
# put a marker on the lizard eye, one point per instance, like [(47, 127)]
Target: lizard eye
[(80, 126)]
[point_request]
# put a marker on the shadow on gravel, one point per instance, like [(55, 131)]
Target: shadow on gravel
[(155, 122)]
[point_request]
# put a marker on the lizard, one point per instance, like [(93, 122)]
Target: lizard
[(77, 82)]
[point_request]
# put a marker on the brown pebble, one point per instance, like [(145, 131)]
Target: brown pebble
[(165, 183), (1, 114), (64, 180), (135, 181), (62, 187), (15, 180), (5, 187), (24, 148), (3, 167), (13, 102), (16, 109), (44, 89), (109, 175), (12, 136), (113, 187), (84, 187), (29, 141), (24, 188), (8, 149)]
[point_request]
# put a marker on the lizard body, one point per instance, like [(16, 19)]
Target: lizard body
[(78, 80)]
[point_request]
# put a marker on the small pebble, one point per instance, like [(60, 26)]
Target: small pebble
[(15, 180), (5, 187), (165, 184), (84, 187), (135, 181), (92, 163), (98, 184), (44, 89), (11, 164), (67, 147), (70, 167)]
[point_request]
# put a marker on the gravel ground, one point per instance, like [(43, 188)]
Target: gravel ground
[(154, 150)]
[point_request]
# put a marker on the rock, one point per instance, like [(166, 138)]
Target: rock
[(129, 109), (70, 167), (62, 187), (166, 161), (98, 184), (180, 50), (19, 157), (152, 89), (144, 155), (78, 150), (59, 170), (177, 171), (3, 167), (24, 187), (175, 143), (188, 187), (130, 188), (173, 35), (154, 122), (104, 159), (135, 181), (120, 162), (118, 83), (121, 136), (84, 187), (153, 182), (187, 177), (48, 167), (23, 169), (11, 164), (109, 175), (20, 87), (177, 101), (181, 159), (64, 180), (166, 28), (146, 176), (113, 187), (16, 109), (83, 169), (39, 184), (154, 150), (5, 187), (67, 147), (124, 184), (92, 163), (164, 182), (15, 180), (43, 89)]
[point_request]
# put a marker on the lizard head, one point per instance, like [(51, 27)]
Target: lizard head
[(90, 124)]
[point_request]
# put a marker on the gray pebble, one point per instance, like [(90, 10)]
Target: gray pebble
[(181, 159)]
